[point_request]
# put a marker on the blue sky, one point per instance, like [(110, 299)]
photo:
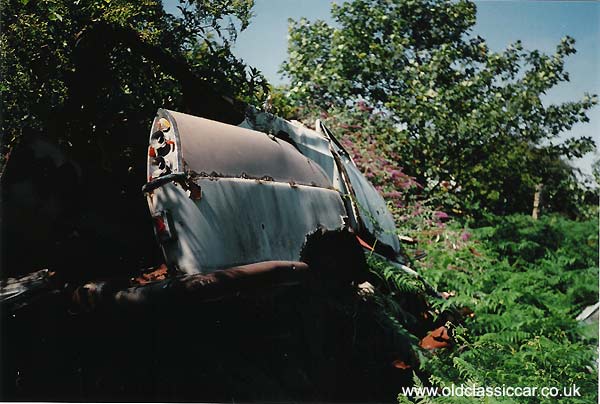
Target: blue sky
[(541, 25), (538, 24)]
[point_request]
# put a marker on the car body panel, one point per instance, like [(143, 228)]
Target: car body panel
[(233, 195), (241, 197), (367, 211), (241, 221)]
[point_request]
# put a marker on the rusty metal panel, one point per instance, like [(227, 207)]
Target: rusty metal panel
[(239, 196), (313, 144), (223, 195), (240, 221), (245, 280)]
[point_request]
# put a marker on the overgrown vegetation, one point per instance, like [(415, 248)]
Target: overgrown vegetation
[(520, 284), (100, 68), (471, 125), (458, 139), (88, 76), (446, 129)]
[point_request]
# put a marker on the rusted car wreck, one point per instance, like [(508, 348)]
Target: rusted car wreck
[(265, 197), (239, 211), (261, 203), (224, 195), (263, 226)]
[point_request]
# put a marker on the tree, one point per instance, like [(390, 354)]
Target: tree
[(138, 55), (89, 76), (457, 113)]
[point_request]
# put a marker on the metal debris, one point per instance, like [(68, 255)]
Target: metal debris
[(17, 292), (436, 339), (232, 282)]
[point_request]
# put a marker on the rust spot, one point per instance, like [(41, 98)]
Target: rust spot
[(158, 274), (398, 364), (436, 339), (245, 280), (195, 191), (364, 244)]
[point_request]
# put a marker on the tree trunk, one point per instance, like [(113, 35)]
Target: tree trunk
[(536, 201)]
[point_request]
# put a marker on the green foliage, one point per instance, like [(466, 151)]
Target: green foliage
[(455, 112), (54, 68), (89, 76), (396, 286), (525, 282)]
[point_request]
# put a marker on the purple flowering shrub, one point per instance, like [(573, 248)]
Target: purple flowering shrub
[(363, 134), (371, 140)]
